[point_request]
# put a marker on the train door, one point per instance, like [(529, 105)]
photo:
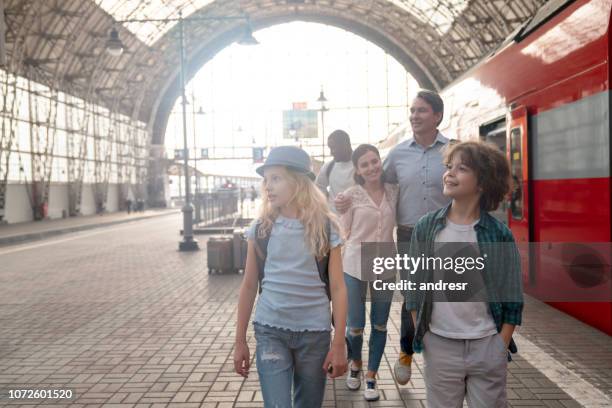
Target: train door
[(518, 212)]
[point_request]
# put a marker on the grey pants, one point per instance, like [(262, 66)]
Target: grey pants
[(470, 369)]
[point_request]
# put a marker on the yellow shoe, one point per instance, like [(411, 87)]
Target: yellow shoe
[(403, 368)]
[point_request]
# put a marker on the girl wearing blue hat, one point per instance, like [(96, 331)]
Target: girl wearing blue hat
[(294, 257)]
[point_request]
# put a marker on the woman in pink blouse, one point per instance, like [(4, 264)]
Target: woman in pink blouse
[(371, 218)]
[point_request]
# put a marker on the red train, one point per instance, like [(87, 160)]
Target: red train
[(543, 96)]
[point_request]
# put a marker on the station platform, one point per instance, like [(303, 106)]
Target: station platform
[(36, 230), (122, 319)]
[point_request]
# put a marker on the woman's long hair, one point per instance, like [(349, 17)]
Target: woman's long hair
[(313, 212)]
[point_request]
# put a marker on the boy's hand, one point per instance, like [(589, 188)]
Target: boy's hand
[(342, 203), (336, 363), (506, 338), (242, 358), (506, 333)]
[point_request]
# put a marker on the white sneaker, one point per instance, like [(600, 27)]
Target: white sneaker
[(371, 392), (403, 369), (353, 378)]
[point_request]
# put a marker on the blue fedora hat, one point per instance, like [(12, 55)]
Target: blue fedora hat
[(290, 156)]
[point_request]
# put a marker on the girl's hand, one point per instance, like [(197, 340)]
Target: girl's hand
[(242, 358), (336, 360)]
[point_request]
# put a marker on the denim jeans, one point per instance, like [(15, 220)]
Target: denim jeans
[(379, 314), (406, 326), (287, 359)]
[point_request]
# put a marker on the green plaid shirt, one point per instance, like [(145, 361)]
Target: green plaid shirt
[(502, 270)]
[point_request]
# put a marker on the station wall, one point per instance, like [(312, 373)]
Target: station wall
[(18, 207)]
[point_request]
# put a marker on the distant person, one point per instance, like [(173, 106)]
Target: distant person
[(465, 343), (336, 175), (253, 194), (242, 193), (140, 204), (295, 350), (416, 165), (128, 205)]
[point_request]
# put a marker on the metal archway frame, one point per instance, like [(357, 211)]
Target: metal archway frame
[(161, 109)]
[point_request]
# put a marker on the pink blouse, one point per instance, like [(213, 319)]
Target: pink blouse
[(364, 221)]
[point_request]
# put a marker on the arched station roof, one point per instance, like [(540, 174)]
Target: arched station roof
[(61, 43)]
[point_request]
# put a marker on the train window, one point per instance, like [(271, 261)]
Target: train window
[(516, 168), (494, 132)]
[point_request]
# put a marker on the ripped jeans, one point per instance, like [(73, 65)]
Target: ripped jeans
[(379, 314), (287, 358)]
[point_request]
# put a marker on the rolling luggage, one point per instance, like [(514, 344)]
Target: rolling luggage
[(220, 254), (240, 250)]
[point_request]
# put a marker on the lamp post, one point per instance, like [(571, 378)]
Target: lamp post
[(115, 47), (195, 142), (293, 133), (322, 99), (188, 243), (239, 130)]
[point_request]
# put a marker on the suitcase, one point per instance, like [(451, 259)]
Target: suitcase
[(220, 254), (240, 247)]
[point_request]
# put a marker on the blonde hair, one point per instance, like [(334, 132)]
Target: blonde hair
[(312, 211)]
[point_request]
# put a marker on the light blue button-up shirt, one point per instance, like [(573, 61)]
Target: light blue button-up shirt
[(418, 170), (293, 296)]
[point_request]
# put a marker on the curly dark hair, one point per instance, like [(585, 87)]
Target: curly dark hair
[(491, 167)]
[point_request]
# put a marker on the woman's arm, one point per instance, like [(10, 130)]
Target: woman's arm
[(246, 298), (337, 354)]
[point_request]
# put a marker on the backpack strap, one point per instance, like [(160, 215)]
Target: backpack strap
[(261, 252), (323, 262), (323, 267)]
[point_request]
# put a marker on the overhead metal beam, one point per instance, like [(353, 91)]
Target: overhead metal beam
[(50, 36), (37, 62), (2, 38), (66, 13)]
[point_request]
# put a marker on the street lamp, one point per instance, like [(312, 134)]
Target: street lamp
[(115, 47), (322, 99)]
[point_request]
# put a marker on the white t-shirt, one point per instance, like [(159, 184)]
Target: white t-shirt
[(340, 179), (461, 320)]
